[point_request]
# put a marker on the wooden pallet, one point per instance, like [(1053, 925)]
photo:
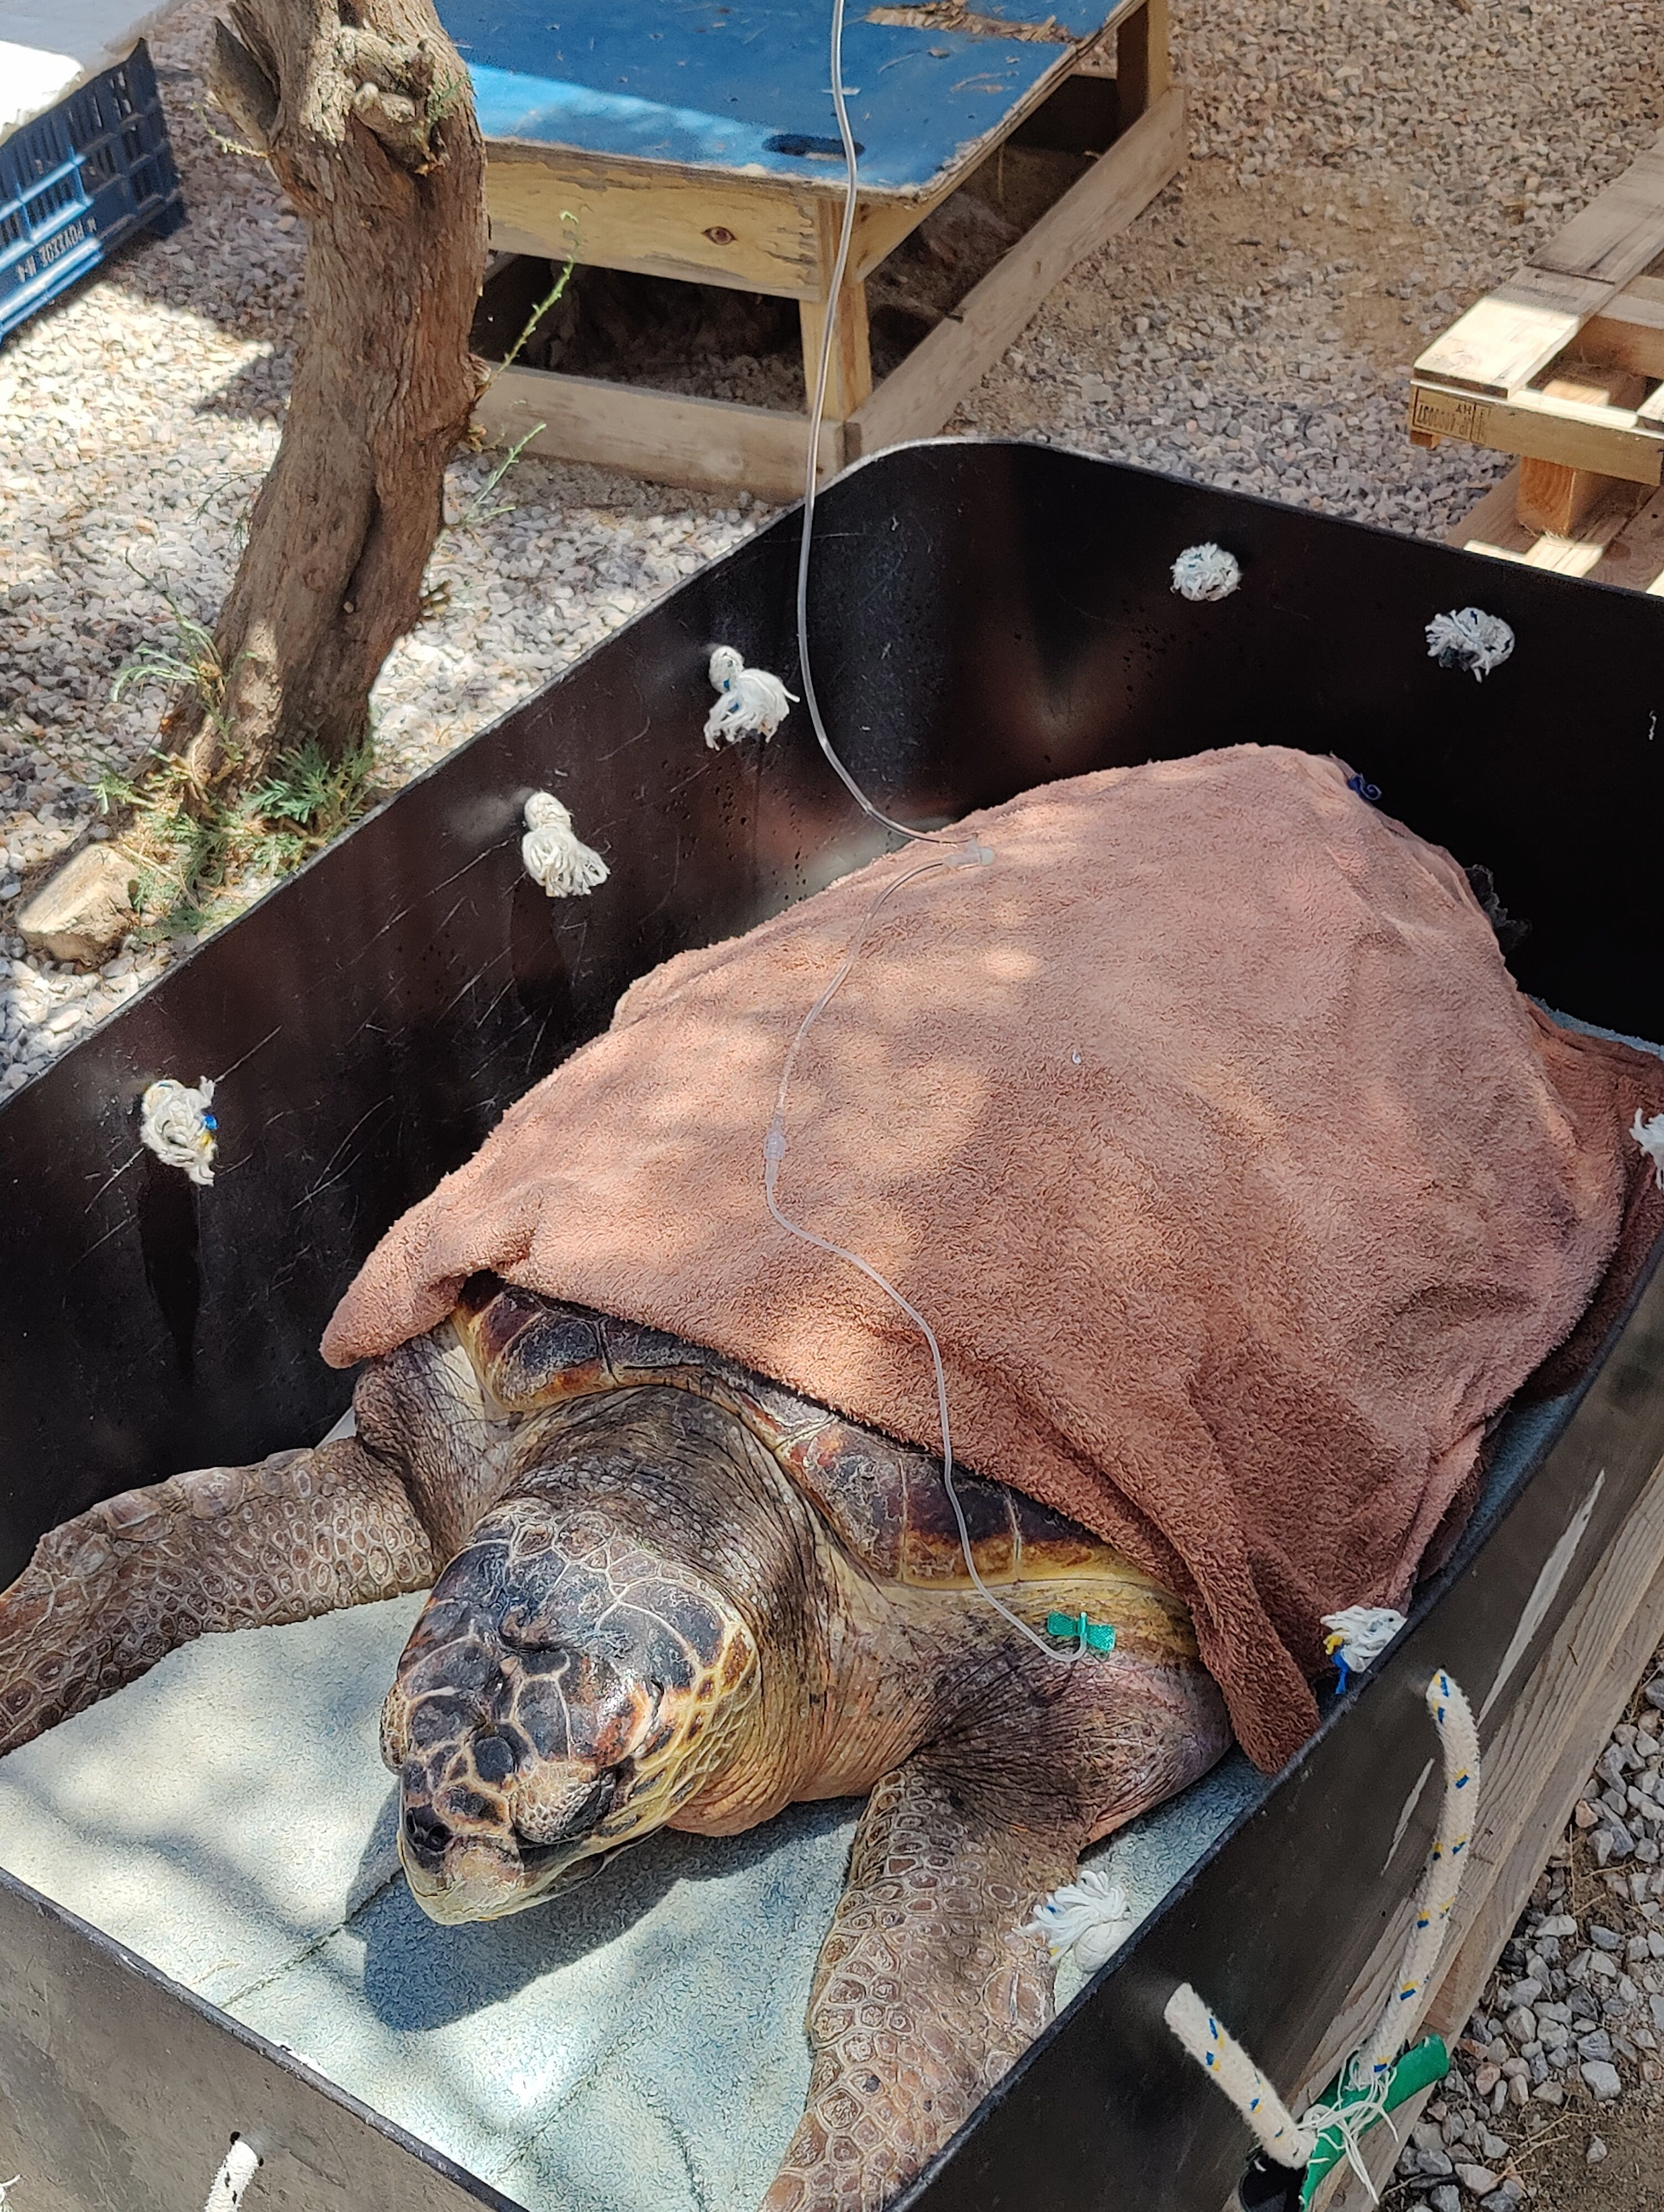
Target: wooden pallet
[(1564, 364), (779, 235), (1619, 540)]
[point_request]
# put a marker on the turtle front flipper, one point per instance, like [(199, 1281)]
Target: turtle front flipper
[(107, 1594), (928, 1986)]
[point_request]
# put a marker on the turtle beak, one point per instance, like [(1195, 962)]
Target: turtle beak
[(479, 1882), (483, 1867)]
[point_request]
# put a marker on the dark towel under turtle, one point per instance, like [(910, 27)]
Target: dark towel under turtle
[(1240, 1183)]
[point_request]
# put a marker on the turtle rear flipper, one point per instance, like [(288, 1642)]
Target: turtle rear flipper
[(105, 1595), (928, 1986)]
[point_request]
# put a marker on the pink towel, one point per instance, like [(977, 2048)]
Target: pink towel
[(1239, 1182)]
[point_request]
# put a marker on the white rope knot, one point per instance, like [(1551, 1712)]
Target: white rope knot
[(1205, 572), (1358, 1635), (750, 699), (1088, 1916), (1470, 639), (555, 855), (241, 2161), (1649, 1135), (174, 1121)]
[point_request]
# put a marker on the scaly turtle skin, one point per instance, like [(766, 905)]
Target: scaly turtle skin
[(671, 1594)]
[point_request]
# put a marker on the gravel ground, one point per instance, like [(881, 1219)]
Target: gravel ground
[(1557, 2084)]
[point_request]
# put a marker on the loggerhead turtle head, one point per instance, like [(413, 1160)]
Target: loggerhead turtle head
[(567, 1690)]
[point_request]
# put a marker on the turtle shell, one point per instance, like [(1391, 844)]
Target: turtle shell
[(886, 1500)]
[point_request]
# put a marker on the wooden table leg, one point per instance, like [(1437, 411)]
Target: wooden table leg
[(849, 381), (1143, 71)]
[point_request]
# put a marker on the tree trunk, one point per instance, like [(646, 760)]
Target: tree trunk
[(365, 113)]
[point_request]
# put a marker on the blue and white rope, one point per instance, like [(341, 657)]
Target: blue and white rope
[(1218, 2053), (241, 2163), (1459, 1743), (1367, 2078)]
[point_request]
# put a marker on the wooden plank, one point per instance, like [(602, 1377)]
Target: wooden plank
[(880, 225), (1552, 497), (920, 396), (1143, 69), (1629, 333), (849, 378), (1580, 552), (664, 435), (1543, 1821), (1513, 334), (1618, 544), (657, 218), (1621, 230), (1493, 527), (1607, 439), (1634, 560)]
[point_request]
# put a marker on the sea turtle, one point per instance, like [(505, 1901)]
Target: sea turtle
[(667, 1592)]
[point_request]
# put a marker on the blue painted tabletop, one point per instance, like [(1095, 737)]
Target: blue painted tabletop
[(746, 86)]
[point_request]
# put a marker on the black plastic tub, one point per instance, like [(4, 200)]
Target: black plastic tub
[(987, 616)]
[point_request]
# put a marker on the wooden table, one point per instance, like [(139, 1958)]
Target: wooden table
[(696, 141)]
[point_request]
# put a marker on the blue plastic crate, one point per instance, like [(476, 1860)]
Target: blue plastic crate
[(77, 181)]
